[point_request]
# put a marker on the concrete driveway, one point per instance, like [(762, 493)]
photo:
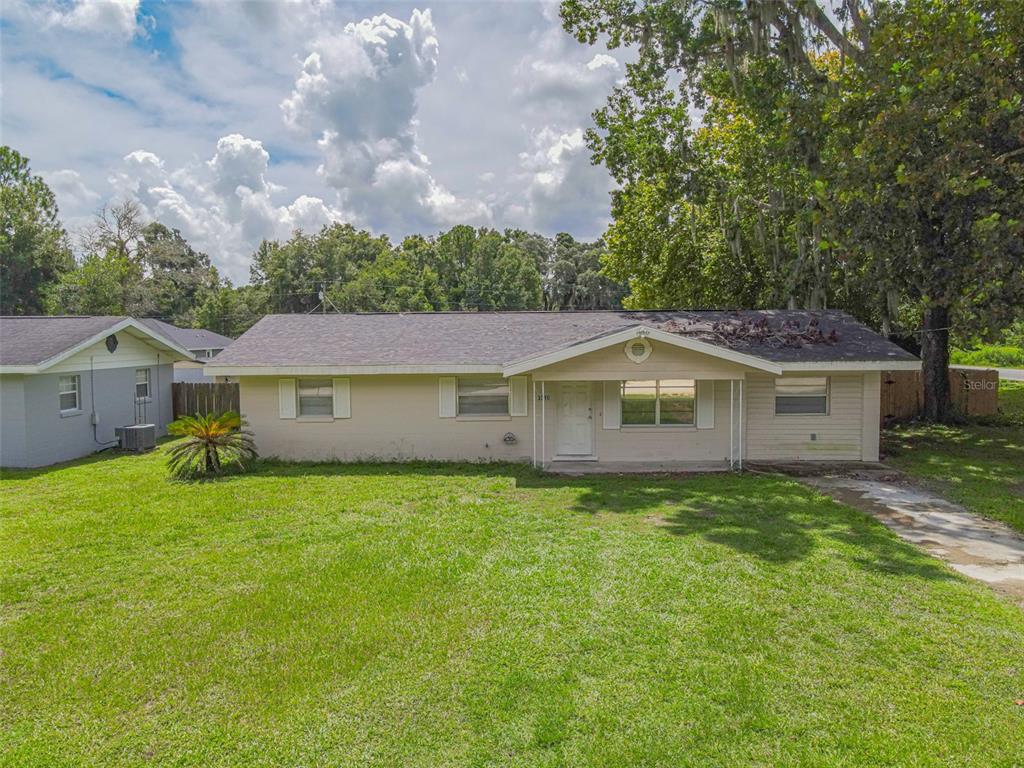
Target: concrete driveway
[(1005, 374), (975, 546)]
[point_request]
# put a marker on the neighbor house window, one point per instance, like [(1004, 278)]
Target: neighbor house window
[(665, 402), (141, 383), (69, 387), (483, 397), (316, 397), (801, 395)]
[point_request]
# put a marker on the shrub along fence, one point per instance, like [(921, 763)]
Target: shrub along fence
[(191, 398), (974, 393)]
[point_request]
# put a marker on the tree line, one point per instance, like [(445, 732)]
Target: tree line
[(130, 266)]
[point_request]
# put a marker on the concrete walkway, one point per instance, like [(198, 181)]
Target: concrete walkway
[(970, 544)]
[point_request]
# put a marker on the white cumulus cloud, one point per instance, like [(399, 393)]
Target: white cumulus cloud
[(565, 189), (224, 206), (70, 188), (356, 94), (117, 18)]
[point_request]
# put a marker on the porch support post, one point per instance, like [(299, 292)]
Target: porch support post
[(741, 426), (732, 384), (533, 443), (543, 422)]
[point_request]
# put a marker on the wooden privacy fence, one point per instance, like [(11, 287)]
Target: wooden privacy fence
[(203, 397), (974, 393)]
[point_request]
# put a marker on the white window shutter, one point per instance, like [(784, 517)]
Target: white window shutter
[(446, 386), (705, 405), (342, 401), (612, 405), (286, 398), (518, 401)]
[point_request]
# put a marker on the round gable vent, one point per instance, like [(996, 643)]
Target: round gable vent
[(111, 343), (638, 350)]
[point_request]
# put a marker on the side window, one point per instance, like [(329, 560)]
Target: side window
[(141, 383), (69, 388), (801, 395), (316, 397), (483, 397)]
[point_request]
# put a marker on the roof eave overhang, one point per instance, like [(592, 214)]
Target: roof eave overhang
[(620, 337), (852, 366), (213, 369), (117, 327)]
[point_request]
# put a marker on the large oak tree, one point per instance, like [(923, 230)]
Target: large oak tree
[(860, 154)]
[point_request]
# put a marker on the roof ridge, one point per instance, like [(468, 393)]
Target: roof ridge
[(548, 312), (61, 317)]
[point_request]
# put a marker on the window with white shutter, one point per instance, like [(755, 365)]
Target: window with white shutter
[(342, 399), (519, 399), (446, 386), (705, 405), (286, 398)]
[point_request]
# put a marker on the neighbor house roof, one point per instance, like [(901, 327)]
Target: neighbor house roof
[(501, 341), (31, 344), (189, 338)]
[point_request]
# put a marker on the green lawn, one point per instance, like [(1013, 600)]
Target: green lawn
[(1011, 402), (978, 465), (995, 355), (420, 615)]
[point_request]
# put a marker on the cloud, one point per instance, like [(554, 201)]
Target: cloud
[(223, 206), (566, 191), (250, 118), (356, 94), (70, 189), (116, 18), (555, 82)]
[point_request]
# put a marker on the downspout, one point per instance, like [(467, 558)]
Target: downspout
[(92, 410)]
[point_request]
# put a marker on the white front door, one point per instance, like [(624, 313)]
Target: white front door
[(575, 419)]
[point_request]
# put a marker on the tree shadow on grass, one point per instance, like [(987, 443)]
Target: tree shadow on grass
[(107, 454), (768, 517)]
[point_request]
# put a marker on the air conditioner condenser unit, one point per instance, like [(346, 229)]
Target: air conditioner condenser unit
[(137, 438)]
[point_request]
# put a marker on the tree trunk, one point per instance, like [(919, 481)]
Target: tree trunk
[(935, 366)]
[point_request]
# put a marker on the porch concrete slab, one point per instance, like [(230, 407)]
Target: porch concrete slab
[(576, 468), (975, 546)]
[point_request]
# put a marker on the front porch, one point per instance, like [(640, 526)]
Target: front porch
[(597, 426), (581, 468)]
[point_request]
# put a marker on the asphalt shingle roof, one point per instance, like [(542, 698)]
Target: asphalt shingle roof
[(32, 340), (499, 338), (189, 338)]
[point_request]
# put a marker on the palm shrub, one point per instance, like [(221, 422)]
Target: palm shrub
[(214, 442)]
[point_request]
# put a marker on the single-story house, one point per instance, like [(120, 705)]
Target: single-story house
[(664, 388), (66, 383), (203, 344)]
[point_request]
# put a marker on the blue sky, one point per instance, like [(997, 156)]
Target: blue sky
[(234, 121)]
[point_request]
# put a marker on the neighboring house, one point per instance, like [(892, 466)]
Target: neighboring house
[(203, 345), (656, 388), (67, 382)]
